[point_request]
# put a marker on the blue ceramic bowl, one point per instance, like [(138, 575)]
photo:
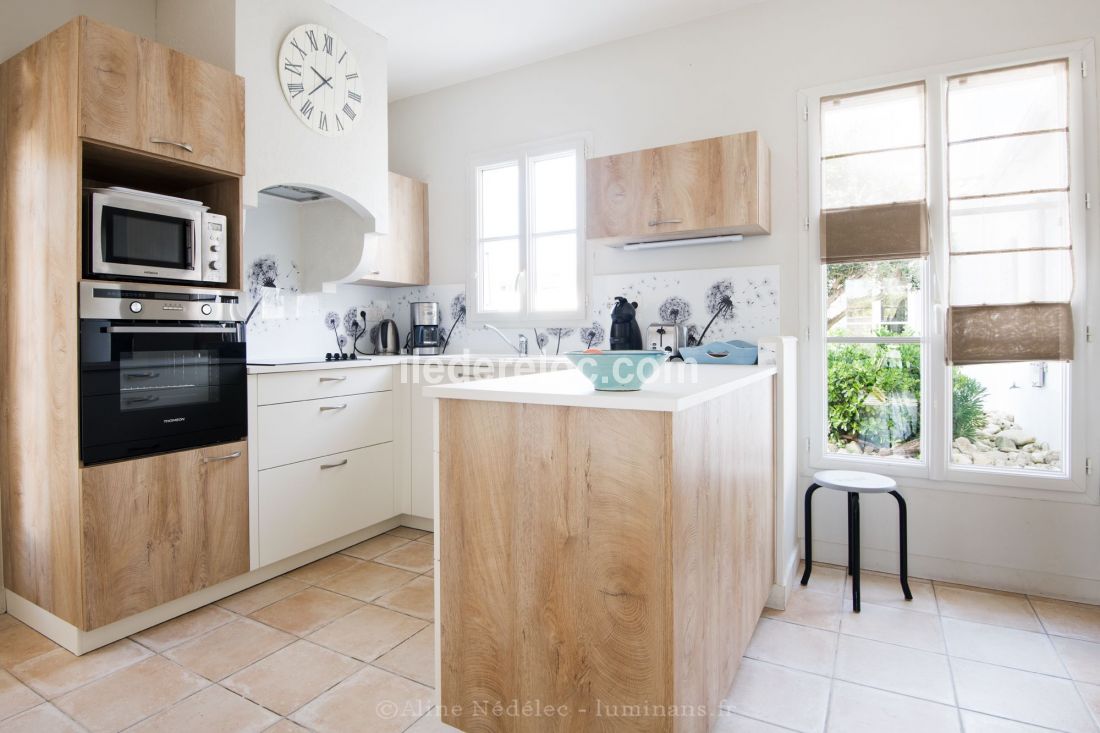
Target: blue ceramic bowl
[(618, 371)]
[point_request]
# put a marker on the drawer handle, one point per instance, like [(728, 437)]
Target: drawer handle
[(326, 408), (375, 272), (162, 141), (334, 465), (334, 379), (230, 457), (142, 375), (658, 222)]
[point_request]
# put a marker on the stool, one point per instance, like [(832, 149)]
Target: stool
[(855, 483)]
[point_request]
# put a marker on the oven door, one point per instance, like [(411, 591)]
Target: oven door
[(138, 238), (154, 387)]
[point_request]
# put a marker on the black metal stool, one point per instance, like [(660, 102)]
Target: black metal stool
[(855, 483)]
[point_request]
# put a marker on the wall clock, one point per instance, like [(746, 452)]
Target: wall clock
[(320, 79)]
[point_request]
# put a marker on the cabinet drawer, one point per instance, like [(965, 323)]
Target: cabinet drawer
[(307, 504), (320, 383), (295, 431)]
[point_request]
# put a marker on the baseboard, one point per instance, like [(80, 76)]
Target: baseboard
[(994, 577), (408, 520), (80, 642), (781, 592)]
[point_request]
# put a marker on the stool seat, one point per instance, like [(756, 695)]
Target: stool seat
[(860, 482)]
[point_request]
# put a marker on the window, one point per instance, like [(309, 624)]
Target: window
[(947, 309), (528, 260)]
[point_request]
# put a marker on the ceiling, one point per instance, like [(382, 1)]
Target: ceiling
[(436, 43)]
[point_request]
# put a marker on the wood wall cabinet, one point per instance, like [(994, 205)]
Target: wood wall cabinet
[(145, 96), (156, 529), (704, 188), (401, 257)]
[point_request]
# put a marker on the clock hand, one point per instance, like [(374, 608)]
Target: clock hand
[(324, 82)]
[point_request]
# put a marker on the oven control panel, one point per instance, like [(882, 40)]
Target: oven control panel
[(213, 245), (117, 301)]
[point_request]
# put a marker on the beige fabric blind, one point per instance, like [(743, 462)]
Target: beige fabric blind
[(1010, 263), (873, 175)]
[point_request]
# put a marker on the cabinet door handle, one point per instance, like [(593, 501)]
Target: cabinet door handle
[(658, 222), (181, 146), (334, 465), (375, 272), (334, 379), (326, 408), (230, 457)]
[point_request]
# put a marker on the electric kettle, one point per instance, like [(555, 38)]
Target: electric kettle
[(386, 340)]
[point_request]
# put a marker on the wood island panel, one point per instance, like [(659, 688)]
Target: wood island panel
[(613, 562)]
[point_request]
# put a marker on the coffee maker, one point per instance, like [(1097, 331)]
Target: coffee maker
[(424, 335)]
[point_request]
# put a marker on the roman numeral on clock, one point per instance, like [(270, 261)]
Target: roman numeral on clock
[(322, 124), (349, 111), (339, 125), (299, 49), (341, 59), (355, 96), (328, 44), (312, 39), (292, 67), (295, 88), (307, 109), (352, 76)]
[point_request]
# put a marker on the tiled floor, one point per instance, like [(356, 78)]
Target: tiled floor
[(346, 644), (952, 659), (320, 648)]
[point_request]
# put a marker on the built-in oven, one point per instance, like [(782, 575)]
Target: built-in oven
[(162, 368)]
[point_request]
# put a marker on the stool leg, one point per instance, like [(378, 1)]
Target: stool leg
[(903, 533), (809, 554), (851, 522), (855, 552)]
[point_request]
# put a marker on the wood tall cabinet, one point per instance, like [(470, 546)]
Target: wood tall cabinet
[(80, 108), (703, 188), (402, 255)]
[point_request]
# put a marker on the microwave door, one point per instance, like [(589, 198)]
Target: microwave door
[(144, 239)]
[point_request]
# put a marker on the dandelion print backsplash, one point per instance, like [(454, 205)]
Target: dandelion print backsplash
[(292, 325)]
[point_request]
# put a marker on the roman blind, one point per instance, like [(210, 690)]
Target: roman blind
[(873, 201), (1010, 264)]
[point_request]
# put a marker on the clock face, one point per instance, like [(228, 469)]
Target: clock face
[(320, 79)]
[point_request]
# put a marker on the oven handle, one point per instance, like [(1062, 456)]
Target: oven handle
[(230, 457), (170, 329)]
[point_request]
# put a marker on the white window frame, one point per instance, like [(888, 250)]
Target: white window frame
[(525, 316), (934, 470)]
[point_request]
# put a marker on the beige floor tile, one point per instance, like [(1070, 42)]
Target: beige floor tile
[(824, 578), (323, 568), (286, 726), (793, 645), (981, 723), (431, 723), (428, 539), (856, 709), (986, 607), (885, 590), (1091, 695), (42, 719), (292, 676), (1023, 696), (416, 557), (820, 610), (129, 695), (15, 697), (264, 594), (416, 598), (731, 723), (408, 533), (375, 546), (57, 672), (1076, 620), (894, 668), (19, 642), (367, 581), (767, 692), (1082, 658), (414, 658), (183, 628), (306, 611), (894, 626), (212, 710), (370, 700), (1003, 646), (229, 648), (367, 633)]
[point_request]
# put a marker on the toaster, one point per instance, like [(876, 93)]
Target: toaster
[(667, 337)]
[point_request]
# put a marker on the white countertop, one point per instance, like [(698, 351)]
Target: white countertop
[(676, 387), (269, 366)]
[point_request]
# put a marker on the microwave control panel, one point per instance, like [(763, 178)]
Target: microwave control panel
[(213, 246)]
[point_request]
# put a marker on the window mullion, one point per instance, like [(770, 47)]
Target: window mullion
[(525, 235), (937, 382)]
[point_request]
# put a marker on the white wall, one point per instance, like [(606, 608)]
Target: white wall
[(21, 24), (740, 72)]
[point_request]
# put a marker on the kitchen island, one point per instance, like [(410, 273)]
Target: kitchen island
[(604, 557)]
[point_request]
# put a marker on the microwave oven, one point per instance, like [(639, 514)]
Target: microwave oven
[(136, 235)]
